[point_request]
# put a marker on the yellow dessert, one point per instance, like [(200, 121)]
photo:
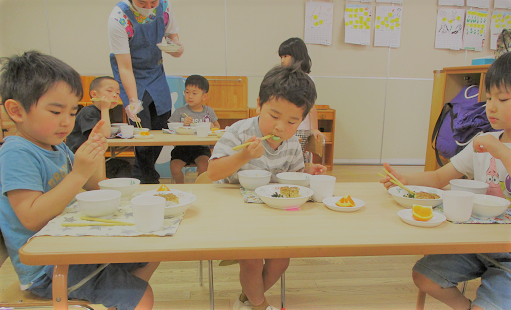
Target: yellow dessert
[(163, 188), (345, 201)]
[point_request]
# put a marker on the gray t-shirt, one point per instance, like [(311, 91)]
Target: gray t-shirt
[(207, 114), (287, 157)]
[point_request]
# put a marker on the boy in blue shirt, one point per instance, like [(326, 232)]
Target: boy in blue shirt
[(487, 159), (40, 176)]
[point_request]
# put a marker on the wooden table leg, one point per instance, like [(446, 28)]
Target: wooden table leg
[(59, 290)]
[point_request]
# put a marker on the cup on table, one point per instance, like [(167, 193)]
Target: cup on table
[(202, 131), (458, 205), (323, 186), (149, 212), (127, 131), (204, 124)]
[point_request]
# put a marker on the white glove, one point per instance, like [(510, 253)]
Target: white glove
[(133, 109)]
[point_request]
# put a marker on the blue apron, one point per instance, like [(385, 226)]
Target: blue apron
[(146, 60)]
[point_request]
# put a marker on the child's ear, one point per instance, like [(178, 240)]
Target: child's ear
[(205, 96), (14, 109), (258, 103), (93, 93)]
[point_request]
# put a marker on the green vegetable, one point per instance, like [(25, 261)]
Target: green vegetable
[(275, 138)]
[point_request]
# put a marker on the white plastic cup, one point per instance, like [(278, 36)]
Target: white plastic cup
[(149, 212), (127, 131), (458, 205), (323, 186), (202, 131), (204, 124)]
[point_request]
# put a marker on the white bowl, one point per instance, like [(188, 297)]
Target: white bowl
[(173, 209), (114, 130), (265, 192), (296, 178), (400, 195), (174, 125), (99, 203), (476, 187), (252, 179), (186, 130), (487, 206), (219, 133), (127, 186), (137, 131), (118, 125), (168, 48)]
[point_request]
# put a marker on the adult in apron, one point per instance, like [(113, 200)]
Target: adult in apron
[(141, 77)]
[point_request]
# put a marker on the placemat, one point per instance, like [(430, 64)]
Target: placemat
[(72, 214), (503, 219)]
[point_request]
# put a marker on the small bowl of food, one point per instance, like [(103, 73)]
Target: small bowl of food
[(186, 130), (296, 178), (219, 133), (476, 187), (99, 203), (424, 196), (127, 186), (114, 130), (487, 206), (284, 196), (252, 179), (174, 125), (177, 202), (137, 131)]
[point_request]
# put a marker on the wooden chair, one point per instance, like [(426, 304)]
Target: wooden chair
[(14, 297), (314, 146)]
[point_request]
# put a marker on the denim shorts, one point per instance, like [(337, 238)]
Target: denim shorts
[(113, 286), (447, 270)]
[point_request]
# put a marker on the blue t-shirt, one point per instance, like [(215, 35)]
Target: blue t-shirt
[(24, 165)]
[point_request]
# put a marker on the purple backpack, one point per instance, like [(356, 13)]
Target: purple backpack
[(459, 122)]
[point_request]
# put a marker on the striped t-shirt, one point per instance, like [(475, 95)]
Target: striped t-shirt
[(287, 157)]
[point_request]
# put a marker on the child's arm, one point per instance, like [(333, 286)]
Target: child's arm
[(35, 209), (221, 168), (492, 145), (100, 172), (437, 179), (105, 104), (215, 124)]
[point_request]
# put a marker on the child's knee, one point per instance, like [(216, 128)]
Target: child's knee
[(147, 300), (422, 282), (279, 264), (251, 265)]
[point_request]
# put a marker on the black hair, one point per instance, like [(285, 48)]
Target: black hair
[(198, 81), (289, 83), (96, 83), (499, 73), (296, 48), (27, 77)]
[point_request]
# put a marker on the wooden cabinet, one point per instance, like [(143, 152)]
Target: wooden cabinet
[(447, 83)]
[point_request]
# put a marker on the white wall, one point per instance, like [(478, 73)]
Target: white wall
[(382, 96)]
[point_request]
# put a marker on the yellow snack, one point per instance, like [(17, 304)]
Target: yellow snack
[(163, 188), (422, 213), (345, 201)]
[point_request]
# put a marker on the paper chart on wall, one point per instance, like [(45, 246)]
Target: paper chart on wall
[(449, 28), (389, 1), (318, 22), (357, 24), (499, 21), (451, 2), (387, 28), (502, 4), (484, 4), (475, 30)]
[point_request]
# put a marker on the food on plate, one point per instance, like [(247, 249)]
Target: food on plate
[(144, 133), (345, 201), (277, 195), (290, 192), (169, 197), (424, 195), (163, 188), (422, 213), (214, 129)]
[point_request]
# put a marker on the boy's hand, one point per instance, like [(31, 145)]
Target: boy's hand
[(188, 120), (88, 156), (386, 180), (490, 144), (255, 149), (96, 135), (316, 169), (104, 103)]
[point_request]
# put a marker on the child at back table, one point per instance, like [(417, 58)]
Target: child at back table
[(285, 97), (40, 176), (488, 159), (196, 92)]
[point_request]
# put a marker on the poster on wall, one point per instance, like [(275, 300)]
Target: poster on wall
[(499, 21), (483, 4), (451, 2), (475, 30), (389, 1), (318, 22), (387, 27), (502, 4), (357, 24), (449, 28)]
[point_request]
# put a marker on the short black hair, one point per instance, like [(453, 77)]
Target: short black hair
[(198, 81), (499, 73), (289, 83), (296, 48), (27, 77), (96, 83)]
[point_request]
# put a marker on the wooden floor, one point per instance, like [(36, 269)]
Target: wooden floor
[(376, 282)]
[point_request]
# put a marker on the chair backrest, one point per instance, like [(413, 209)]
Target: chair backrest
[(203, 178), (3, 250), (315, 146)]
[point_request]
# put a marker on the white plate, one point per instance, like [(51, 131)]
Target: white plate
[(168, 48), (172, 209), (406, 216), (330, 204), (265, 192), (144, 137)]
